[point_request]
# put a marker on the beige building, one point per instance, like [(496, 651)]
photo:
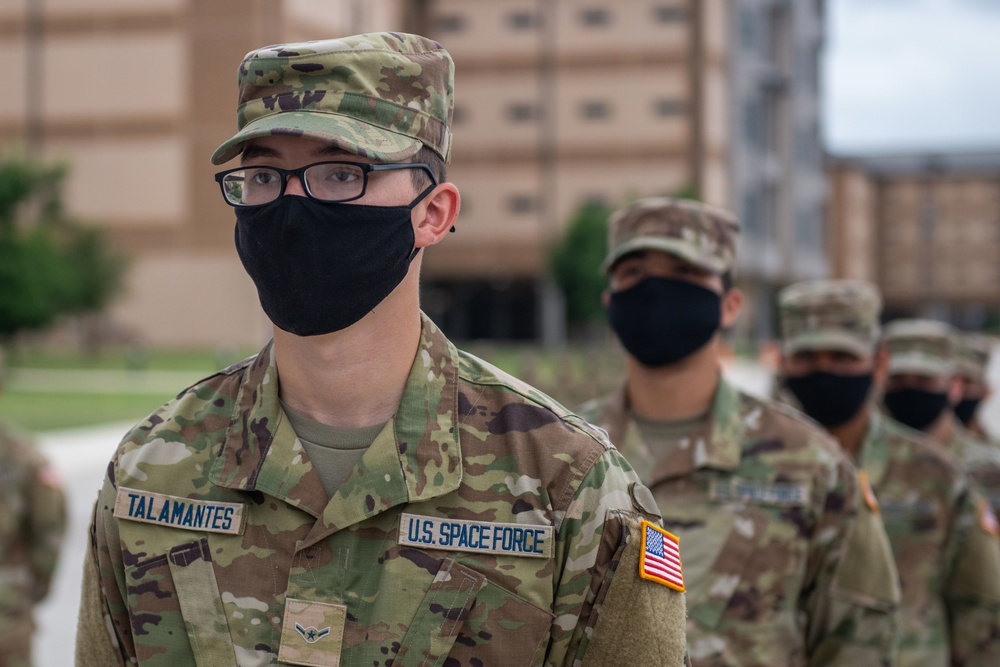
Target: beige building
[(925, 228), (559, 102)]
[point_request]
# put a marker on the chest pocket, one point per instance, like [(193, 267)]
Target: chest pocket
[(469, 620), (174, 603), (744, 558)]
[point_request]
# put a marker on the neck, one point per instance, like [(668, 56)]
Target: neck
[(679, 391), (942, 429), (354, 377), (851, 434)]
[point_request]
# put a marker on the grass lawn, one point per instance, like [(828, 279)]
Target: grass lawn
[(49, 411)]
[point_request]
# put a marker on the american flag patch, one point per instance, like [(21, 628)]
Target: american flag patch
[(661, 557)]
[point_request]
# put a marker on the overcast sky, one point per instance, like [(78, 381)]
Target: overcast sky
[(912, 75)]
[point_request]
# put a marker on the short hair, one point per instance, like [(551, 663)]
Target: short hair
[(727, 281), (432, 160)]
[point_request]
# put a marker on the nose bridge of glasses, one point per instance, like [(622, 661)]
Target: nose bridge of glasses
[(297, 186)]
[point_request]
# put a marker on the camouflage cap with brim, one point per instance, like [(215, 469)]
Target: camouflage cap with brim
[(703, 235), (381, 96), (920, 347), (836, 315), (972, 355)]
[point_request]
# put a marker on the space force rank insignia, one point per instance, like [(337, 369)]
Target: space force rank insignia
[(660, 559), (491, 537), (185, 513)]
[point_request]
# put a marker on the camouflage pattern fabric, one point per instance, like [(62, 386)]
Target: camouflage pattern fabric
[(379, 95), (700, 234), (32, 523), (948, 563), (921, 347), (979, 459), (840, 315), (785, 564), (392, 569), (972, 355)]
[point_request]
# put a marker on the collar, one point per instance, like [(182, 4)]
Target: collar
[(417, 456), (722, 450)]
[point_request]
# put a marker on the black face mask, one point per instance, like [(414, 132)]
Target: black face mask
[(321, 267), (916, 408), (830, 398), (661, 321), (965, 410)]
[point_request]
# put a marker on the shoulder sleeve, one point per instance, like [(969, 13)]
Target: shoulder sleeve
[(46, 522), (103, 626), (852, 587), (972, 588), (605, 612)]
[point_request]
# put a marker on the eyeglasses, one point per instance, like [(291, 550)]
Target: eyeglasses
[(323, 181)]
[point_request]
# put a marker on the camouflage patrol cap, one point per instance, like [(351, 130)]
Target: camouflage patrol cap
[(837, 315), (972, 355), (922, 347), (379, 95), (700, 234)]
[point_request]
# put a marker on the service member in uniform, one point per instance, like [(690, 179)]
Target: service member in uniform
[(942, 536), (785, 563), (973, 356), (360, 492), (923, 387), (32, 523)]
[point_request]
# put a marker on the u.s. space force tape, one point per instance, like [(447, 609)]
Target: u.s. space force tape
[(492, 537)]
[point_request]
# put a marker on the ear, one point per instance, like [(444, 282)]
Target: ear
[(435, 215), (732, 303), (881, 368), (606, 298)]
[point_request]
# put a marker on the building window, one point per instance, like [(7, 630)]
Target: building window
[(594, 17), (666, 14), (451, 23), (522, 20), (595, 110), (668, 107), (521, 112), (522, 204)]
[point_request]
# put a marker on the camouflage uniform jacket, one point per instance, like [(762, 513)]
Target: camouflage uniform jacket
[(979, 459), (482, 527), (948, 562), (784, 562), (32, 522)]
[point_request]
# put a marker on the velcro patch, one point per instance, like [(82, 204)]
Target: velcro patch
[(660, 560), (987, 519), (866, 491), (492, 537), (184, 513), (755, 492), (312, 633)]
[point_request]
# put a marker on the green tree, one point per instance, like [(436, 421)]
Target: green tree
[(50, 263), (576, 261)]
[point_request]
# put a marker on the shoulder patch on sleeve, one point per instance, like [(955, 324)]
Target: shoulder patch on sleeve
[(866, 491), (660, 559), (987, 519)]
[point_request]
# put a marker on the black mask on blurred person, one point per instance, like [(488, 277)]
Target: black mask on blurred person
[(830, 398), (661, 320), (965, 409), (321, 267), (916, 408)]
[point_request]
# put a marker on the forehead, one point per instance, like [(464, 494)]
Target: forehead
[(295, 147)]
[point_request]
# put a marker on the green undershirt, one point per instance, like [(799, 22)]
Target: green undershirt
[(333, 451)]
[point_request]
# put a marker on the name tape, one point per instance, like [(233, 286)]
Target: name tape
[(768, 494), (508, 539), (184, 513)]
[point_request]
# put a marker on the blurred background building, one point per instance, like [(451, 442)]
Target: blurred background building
[(560, 102), (926, 228)]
